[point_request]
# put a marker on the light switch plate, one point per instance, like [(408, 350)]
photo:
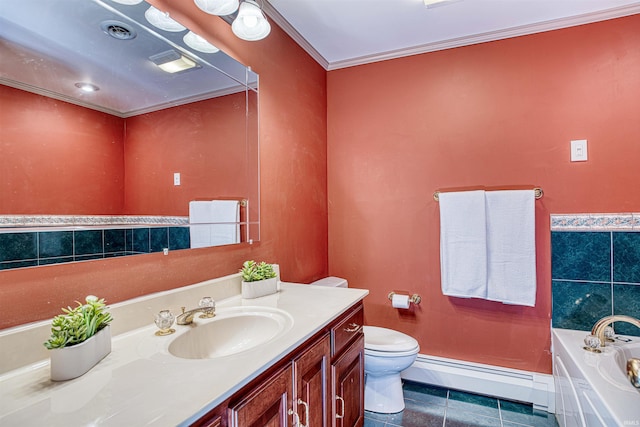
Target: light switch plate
[(579, 150)]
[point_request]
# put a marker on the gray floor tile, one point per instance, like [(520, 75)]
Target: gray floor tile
[(525, 414), (418, 417), (467, 402), (424, 393), (430, 406), (469, 419), (368, 422)]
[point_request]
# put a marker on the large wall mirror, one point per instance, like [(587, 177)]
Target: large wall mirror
[(121, 133)]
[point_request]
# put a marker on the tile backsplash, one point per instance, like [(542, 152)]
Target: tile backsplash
[(32, 248), (595, 269)]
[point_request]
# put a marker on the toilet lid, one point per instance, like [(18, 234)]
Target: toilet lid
[(383, 339)]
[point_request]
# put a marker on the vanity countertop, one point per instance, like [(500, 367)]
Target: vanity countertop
[(141, 383)]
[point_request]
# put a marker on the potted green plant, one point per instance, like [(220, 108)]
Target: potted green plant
[(258, 279), (80, 338)]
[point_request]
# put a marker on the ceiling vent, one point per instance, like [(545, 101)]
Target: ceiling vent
[(118, 30)]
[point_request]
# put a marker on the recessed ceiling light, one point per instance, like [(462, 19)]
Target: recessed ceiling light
[(173, 62), (87, 87)]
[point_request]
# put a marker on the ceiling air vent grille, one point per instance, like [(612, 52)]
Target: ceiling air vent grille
[(118, 30)]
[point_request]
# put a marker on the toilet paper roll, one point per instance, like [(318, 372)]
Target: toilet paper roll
[(400, 301)]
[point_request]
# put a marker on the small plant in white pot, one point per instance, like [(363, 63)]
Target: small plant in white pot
[(258, 279), (80, 338)]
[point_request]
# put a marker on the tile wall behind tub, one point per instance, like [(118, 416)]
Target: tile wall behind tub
[(33, 248), (595, 270)]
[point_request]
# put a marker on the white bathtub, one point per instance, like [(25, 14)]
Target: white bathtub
[(593, 389)]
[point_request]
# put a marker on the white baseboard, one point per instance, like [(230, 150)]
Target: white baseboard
[(496, 381)]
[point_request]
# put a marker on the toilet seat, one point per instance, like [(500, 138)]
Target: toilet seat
[(385, 342)]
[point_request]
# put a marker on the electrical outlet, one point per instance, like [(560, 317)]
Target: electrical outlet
[(176, 178)]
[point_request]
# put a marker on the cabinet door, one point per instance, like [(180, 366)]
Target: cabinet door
[(311, 373), (267, 405), (347, 374)]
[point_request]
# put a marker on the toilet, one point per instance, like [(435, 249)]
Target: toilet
[(386, 354)]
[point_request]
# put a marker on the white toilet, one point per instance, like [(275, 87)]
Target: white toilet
[(386, 354)]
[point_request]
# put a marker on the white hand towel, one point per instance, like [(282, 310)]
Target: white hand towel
[(463, 257), (214, 222), (511, 247)]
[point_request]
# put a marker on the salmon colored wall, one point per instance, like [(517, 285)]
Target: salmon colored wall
[(78, 161), (293, 192), (200, 141), (48, 147), (494, 115)]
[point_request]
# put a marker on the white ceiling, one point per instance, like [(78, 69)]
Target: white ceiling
[(47, 46), (344, 33)]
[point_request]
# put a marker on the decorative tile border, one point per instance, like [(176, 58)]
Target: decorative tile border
[(87, 221), (596, 222)]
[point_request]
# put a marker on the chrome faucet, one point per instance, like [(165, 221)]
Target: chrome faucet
[(600, 326), (207, 307)]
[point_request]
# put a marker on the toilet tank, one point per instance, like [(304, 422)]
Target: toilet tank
[(332, 281)]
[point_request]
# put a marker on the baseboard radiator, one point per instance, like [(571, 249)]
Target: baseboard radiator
[(505, 383)]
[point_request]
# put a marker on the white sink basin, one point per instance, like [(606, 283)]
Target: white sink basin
[(232, 331)]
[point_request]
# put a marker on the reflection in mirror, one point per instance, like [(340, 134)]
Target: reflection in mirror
[(149, 160)]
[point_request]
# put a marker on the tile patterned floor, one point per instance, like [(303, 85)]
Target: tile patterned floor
[(429, 406)]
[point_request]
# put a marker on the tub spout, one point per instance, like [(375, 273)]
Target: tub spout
[(599, 327)]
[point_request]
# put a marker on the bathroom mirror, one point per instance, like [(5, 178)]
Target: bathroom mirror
[(124, 164)]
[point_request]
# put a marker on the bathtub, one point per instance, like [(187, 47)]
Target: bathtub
[(592, 389)]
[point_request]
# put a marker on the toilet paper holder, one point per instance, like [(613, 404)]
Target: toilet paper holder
[(415, 298)]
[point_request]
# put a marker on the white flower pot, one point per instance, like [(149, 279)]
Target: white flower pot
[(259, 288), (72, 362)]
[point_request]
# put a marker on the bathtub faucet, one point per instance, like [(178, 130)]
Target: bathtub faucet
[(599, 327)]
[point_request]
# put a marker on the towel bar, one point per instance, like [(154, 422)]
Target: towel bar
[(537, 192)]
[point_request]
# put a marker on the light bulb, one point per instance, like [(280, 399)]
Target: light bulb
[(250, 21)]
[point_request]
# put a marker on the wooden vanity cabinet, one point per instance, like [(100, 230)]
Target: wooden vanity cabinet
[(348, 386), (267, 405), (312, 384), (347, 370), (320, 384)]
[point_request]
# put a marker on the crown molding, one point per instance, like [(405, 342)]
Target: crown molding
[(294, 34), (523, 30)]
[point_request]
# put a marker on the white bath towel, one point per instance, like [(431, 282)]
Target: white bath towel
[(214, 222), (463, 257), (511, 247)]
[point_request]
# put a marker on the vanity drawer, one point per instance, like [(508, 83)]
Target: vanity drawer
[(347, 329)]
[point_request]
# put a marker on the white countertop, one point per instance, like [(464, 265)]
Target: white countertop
[(600, 378), (140, 383)]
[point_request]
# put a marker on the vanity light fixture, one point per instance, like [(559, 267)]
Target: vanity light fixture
[(250, 24), (171, 61), (161, 20), (87, 87), (218, 7), (198, 43)]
